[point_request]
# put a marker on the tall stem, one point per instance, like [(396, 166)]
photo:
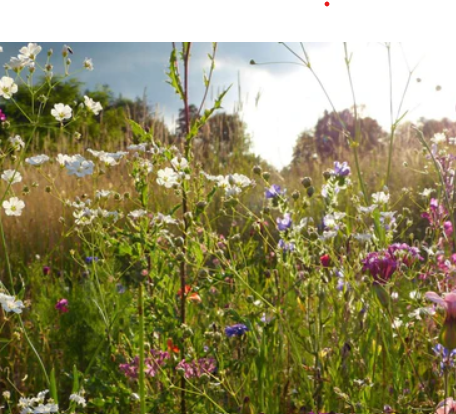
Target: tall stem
[(183, 271), (142, 389)]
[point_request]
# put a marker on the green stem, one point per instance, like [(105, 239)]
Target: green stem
[(142, 387)]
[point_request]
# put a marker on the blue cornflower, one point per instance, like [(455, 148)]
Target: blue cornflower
[(274, 191), (238, 329), (91, 259), (341, 169), (447, 356), (284, 223)]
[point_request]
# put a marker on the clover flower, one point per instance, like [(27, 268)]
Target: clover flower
[(62, 305), (381, 265)]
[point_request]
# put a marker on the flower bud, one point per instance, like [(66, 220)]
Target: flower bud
[(266, 175), (306, 182), (257, 169), (310, 191)]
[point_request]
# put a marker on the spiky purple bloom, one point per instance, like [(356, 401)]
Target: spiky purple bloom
[(274, 191), (341, 169), (285, 222), (238, 329)]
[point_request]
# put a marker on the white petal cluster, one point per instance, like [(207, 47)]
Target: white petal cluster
[(80, 167), (37, 160), (168, 177), (233, 184), (380, 198), (38, 405), (16, 143), (7, 87), (10, 304), (61, 112), (92, 106), (11, 176), (78, 399)]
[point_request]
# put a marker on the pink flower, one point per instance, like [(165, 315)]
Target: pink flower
[(62, 305), (447, 406), (448, 302), (448, 228), (448, 333)]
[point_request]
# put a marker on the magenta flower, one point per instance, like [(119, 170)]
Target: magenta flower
[(2, 116), (448, 228), (381, 265), (448, 333), (62, 305)]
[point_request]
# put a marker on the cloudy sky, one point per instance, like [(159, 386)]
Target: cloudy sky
[(279, 100)]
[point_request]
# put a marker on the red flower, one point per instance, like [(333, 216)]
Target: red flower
[(325, 260)]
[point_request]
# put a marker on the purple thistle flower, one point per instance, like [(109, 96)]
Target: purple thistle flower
[(341, 169), (284, 223), (46, 270), (238, 329), (274, 191)]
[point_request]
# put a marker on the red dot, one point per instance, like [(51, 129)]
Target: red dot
[(326, 3)]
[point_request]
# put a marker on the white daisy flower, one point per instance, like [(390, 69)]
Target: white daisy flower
[(16, 142), (167, 177), (29, 52), (380, 198), (137, 213)]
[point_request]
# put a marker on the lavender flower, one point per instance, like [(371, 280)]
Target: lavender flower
[(238, 329), (447, 357), (91, 259), (284, 223), (341, 169), (285, 246), (274, 191)]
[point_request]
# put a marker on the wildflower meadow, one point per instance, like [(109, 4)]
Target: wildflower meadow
[(148, 272)]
